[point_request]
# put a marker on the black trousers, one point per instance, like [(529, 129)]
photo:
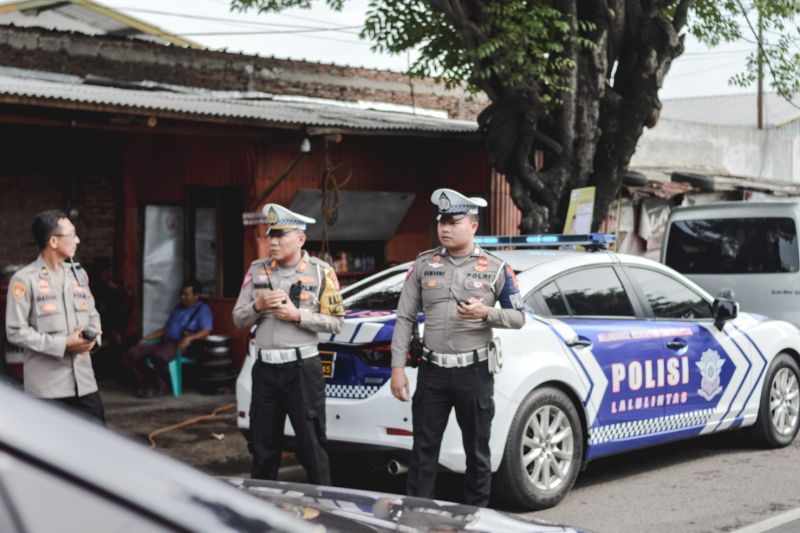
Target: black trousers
[(469, 390), (89, 405), (296, 389)]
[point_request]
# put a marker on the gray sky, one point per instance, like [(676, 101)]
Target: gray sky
[(698, 72)]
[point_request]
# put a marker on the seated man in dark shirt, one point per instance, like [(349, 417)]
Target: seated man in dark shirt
[(190, 320)]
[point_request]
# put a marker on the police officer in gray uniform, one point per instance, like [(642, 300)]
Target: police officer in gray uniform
[(50, 314), (456, 286), (290, 297)]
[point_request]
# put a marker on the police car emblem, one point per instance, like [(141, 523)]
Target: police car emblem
[(272, 216), (444, 203), (710, 366)]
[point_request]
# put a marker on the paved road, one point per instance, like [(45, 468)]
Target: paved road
[(716, 483)]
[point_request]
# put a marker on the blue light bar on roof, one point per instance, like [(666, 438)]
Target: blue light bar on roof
[(597, 240)]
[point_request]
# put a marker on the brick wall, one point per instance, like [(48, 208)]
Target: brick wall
[(133, 60), (57, 169)]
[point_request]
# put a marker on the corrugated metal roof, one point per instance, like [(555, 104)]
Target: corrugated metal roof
[(52, 89), (732, 110), (87, 17)]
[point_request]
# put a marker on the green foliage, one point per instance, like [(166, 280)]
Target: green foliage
[(521, 45), (714, 22)]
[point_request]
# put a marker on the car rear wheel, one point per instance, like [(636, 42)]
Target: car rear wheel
[(778, 419), (543, 452)]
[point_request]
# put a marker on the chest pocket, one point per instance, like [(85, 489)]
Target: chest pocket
[(435, 286), (49, 314), (308, 296), (481, 287)]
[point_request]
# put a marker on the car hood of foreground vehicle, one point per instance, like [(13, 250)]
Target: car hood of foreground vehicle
[(343, 509)]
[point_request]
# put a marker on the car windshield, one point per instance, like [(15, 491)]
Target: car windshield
[(380, 294), (733, 246)]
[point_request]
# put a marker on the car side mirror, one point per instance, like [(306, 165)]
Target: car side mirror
[(724, 310)]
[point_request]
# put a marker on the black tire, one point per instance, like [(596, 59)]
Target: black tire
[(783, 375), (634, 179), (513, 483), (698, 181)]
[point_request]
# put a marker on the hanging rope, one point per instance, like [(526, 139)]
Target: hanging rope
[(330, 199)]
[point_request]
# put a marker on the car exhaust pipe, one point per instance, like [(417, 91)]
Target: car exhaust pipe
[(395, 467)]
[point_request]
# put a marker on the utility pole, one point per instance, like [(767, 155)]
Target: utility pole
[(760, 96)]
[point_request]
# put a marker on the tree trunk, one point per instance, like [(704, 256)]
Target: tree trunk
[(598, 124)]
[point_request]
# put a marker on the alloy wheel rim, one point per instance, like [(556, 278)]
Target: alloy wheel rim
[(547, 447), (784, 402)]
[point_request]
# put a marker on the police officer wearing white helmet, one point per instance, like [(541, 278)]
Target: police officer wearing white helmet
[(456, 285), (290, 297)]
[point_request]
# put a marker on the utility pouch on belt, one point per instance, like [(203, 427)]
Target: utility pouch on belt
[(415, 348), (495, 354)]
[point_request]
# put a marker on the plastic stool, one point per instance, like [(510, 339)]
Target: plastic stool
[(176, 374)]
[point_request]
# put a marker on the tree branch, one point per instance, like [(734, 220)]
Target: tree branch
[(681, 14)]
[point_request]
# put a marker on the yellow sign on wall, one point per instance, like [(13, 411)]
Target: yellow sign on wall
[(580, 211)]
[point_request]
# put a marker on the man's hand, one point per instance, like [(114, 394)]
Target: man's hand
[(472, 310), (286, 310), (400, 387), (269, 300), (76, 343), (184, 344)]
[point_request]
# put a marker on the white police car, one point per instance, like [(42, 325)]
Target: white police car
[(618, 353)]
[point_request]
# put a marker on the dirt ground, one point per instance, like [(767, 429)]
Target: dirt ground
[(215, 446)]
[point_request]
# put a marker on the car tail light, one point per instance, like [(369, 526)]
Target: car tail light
[(380, 355), (399, 432)]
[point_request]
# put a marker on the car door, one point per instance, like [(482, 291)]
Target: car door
[(608, 326), (708, 357)]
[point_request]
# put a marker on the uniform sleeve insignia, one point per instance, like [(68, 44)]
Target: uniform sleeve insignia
[(18, 290), (510, 273), (330, 301), (247, 279), (332, 276), (411, 270)]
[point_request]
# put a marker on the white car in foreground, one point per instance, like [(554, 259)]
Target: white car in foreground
[(618, 353)]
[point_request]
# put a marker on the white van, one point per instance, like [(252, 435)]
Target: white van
[(749, 248)]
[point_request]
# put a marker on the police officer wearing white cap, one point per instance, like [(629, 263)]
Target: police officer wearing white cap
[(290, 297), (456, 286)]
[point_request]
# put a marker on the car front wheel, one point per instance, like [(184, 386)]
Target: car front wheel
[(778, 419), (543, 452)]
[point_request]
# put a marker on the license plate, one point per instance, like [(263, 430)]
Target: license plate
[(328, 361)]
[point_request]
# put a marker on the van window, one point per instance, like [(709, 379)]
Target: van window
[(733, 246)]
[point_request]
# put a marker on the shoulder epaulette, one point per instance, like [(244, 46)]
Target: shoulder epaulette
[(431, 251), (491, 255), (317, 261)]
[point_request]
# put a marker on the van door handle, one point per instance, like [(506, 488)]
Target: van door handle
[(676, 345), (580, 342)]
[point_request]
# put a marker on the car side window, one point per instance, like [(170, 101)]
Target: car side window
[(33, 500), (549, 300), (595, 291), (668, 297)]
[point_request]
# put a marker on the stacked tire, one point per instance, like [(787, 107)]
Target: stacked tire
[(216, 371)]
